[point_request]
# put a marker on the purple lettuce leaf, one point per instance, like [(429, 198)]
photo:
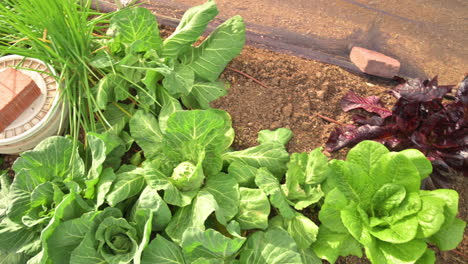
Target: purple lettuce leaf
[(418, 90), (371, 104)]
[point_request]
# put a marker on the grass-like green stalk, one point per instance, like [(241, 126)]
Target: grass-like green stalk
[(65, 34)]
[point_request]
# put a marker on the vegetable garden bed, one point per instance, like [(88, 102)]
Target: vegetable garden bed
[(178, 205)]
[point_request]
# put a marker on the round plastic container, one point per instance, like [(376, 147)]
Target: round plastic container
[(43, 118)]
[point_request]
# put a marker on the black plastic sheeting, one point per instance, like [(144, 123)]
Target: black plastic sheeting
[(429, 37)]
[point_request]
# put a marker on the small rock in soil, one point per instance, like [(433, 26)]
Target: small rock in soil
[(287, 110), (374, 63)]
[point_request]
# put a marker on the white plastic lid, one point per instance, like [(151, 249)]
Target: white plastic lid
[(35, 117)]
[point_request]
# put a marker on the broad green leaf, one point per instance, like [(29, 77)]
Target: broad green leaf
[(112, 123), (168, 108), (98, 154), (449, 197), (190, 28), (269, 155), (14, 236), (180, 81), (410, 206), (111, 88), (295, 176), (387, 197), (243, 173), (317, 167), (308, 256), (280, 135), (126, 185), (398, 169), (427, 258), (135, 24), (449, 236), (193, 215), (274, 246), (403, 253), (366, 154), (104, 185), (331, 245), (355, 220), (67, 236), (210, 58), (203, 93), (329, 214), (209, 245), (303, 230), (431, 217), (162, 251), (225, 191), (254, 209), (271, 187), (146, 132), (150, 200), (420, 161)]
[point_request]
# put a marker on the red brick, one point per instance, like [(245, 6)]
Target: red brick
[(17, 92), (374, 63)]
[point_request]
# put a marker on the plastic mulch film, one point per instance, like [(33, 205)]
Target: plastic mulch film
[(429, 37)]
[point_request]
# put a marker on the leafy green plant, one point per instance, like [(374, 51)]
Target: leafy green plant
[(373, 201), (160, 71)]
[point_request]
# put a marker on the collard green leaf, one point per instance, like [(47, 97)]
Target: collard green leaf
[(303, 230), (131, 25), (210, 58), (254, 209), (225, 191), (150, 200), (163, 251), (203, 93), (330, 245), (274, 246), (14, 236), (243, 173), (126, 185), (145, 130), (97, 148), (280, 135), (104, 185), (269, 155), (169, 107), (210, 245), (193, 215), (317, 167), (190, 28), (270, 186), (180, 81), (111, 88)]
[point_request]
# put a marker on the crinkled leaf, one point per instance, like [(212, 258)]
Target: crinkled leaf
[(403, 253), (366, 154), (387, 197), (449, 236)]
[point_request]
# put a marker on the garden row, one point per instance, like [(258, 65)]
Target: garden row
[(142, 179)]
